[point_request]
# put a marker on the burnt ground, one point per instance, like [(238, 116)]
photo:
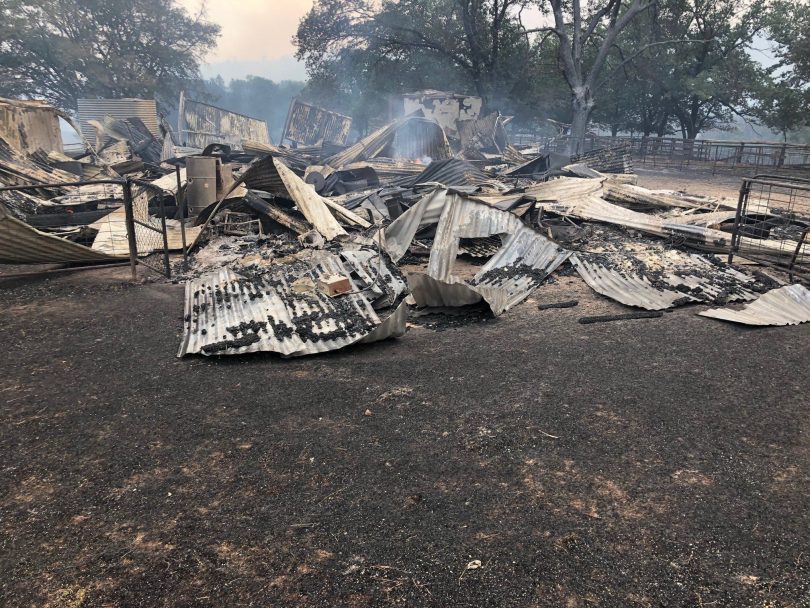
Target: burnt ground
[(654, 462)]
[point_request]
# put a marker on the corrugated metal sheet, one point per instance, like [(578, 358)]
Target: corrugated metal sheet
[(485, 133), (98, 109), (202, 124), (24, 244), (29, 126), (789, 305), (616, 159), (523, 263), (18, 169), (111, 237), (136, 134), (682, 278), (450, 172), (581, 199), (227, 315), (309, 125)]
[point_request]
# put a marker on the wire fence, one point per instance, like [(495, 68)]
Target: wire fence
[(691, 154), (120, 225)]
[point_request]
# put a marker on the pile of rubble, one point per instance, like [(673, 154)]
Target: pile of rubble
[(306, 249)]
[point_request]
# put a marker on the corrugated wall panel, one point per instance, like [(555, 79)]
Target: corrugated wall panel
[(97, 109)]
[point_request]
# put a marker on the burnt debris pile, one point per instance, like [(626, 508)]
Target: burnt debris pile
[(317, 244)]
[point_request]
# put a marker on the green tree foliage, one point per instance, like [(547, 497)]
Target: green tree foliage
[(788, 26), (63, 50), (782, 106), (588, 35), (687, 65)]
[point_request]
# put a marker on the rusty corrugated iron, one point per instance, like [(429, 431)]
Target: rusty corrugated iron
[(308, 125)]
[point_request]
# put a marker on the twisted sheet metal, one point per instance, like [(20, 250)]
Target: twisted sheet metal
[(226, 314), (789, 305), (517, 268), (98, 109), (21, 243), (450, 172), (697, 280)]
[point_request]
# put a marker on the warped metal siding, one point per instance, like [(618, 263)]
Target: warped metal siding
[(789, 305), (226, 314), (308, 125), (517, 268), (98, 109), (203, 124)]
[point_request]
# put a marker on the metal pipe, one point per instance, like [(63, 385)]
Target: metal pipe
[(735, 235), (166, 263), (182, 207), (61, 184), (129, 219)]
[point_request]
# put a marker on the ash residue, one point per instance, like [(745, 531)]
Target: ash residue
[(443, 318)]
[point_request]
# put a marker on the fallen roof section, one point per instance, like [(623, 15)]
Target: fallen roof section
[(789, 305), (284, 312), (680, 278)]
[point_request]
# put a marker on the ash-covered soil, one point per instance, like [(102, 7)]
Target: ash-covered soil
[(526, 460)]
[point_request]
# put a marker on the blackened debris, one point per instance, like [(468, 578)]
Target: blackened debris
[(646, 314), (567, 304)]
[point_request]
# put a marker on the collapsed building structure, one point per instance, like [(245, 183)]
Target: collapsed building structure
[(306, 249)]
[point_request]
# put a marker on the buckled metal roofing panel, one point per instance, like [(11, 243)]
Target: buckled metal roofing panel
[(789, 305), (688, 278), (21, 243), (226, 314)]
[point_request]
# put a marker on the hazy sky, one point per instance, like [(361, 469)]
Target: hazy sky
[(256, 37)]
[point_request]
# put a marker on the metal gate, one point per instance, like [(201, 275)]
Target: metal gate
[(772, 223), (137, 235)]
